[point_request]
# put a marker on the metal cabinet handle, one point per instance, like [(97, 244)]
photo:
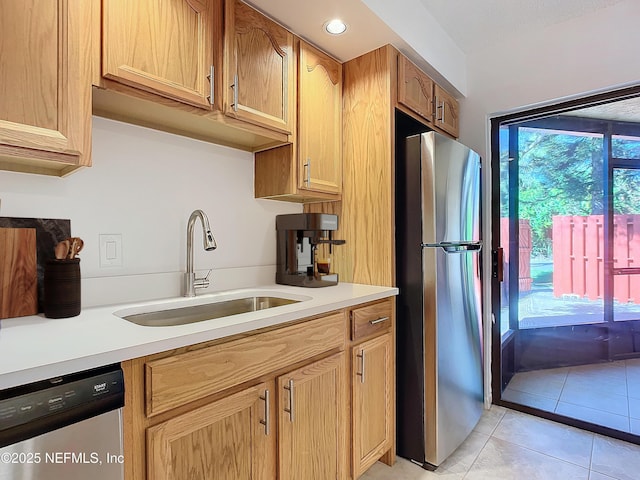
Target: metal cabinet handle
[(265, 422), (234, 105), (290, 409), (439, 107), (378, 320), (307, 167), (211, 77), (443, 111), (361, 372)]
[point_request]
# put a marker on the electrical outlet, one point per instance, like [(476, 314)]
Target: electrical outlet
[(111, 250)]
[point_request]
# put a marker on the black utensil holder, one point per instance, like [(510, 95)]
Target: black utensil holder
[(62, 288)]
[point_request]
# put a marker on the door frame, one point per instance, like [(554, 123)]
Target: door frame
[(504, 357)]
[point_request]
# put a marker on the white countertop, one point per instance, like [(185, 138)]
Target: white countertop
[(36, 348)]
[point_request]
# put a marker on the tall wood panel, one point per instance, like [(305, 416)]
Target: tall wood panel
[(366, 212)]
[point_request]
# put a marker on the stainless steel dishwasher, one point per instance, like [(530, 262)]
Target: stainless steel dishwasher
[(66, 427)]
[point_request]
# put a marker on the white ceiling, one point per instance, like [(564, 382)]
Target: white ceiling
[(474, 24), (466, 25), (365, 31), (623, 110), (471, 24)]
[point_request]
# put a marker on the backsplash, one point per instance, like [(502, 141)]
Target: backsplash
[(143, 186)]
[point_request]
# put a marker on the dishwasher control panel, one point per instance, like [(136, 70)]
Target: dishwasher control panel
[(60, 400)]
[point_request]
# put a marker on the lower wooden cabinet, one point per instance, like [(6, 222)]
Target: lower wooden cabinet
[(266, 406), (371, 401), (311, 421), (231, 439)]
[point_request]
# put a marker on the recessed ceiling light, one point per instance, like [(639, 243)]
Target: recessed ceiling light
[(335, 27)]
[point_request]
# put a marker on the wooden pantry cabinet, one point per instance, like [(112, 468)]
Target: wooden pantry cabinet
[(45, 86), (261, 406), (310, 168)]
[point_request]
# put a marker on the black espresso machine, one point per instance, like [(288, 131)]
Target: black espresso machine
[(298, 260)]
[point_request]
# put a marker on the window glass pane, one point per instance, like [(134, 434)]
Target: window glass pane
[(626, 243), (625, 147), (504, 226), (561, 228)]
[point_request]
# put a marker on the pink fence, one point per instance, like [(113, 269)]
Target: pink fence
[(524, 270), (578, 256)]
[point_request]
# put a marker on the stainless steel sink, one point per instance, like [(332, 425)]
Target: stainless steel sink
[(207, 311)]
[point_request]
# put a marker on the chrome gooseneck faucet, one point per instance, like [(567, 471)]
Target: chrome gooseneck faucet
[(191, 283)]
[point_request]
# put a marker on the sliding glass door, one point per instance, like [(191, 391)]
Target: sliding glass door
[(566, 241)]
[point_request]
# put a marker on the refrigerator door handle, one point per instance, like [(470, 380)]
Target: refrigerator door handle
[(455, 247)]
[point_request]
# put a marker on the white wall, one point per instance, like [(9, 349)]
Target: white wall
[(590, 53), (423, 34), (143, 185)]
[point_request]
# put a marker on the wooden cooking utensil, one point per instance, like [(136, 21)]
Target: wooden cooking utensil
[(76, 245), (62, 249)]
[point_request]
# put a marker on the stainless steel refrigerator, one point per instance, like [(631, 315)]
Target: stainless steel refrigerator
[(439, 332)]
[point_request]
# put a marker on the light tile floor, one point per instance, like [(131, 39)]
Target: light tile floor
[(509, 445), (606, 394)]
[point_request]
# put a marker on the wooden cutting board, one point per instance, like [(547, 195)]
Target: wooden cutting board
[(18, 272)]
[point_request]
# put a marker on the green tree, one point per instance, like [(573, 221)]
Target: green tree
[(556, 177)]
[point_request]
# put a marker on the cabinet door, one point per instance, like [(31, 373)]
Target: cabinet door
[(446, 111), (231, 439), (415, 89), (260, 69), (319, 121), (311, 420), (162, 46), (45, 85), (372, 401)]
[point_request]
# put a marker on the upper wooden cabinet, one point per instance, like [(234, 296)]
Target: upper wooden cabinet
[(45, 86), (415, 89), (165, 47), (260, 69), (418, 94), (446, 111), (310, 169), (319, 121), (160, 64)]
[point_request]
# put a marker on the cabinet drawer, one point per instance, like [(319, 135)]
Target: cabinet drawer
[(183, 378), (371, 319)]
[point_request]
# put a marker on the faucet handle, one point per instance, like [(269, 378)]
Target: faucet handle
[(202, 282)]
